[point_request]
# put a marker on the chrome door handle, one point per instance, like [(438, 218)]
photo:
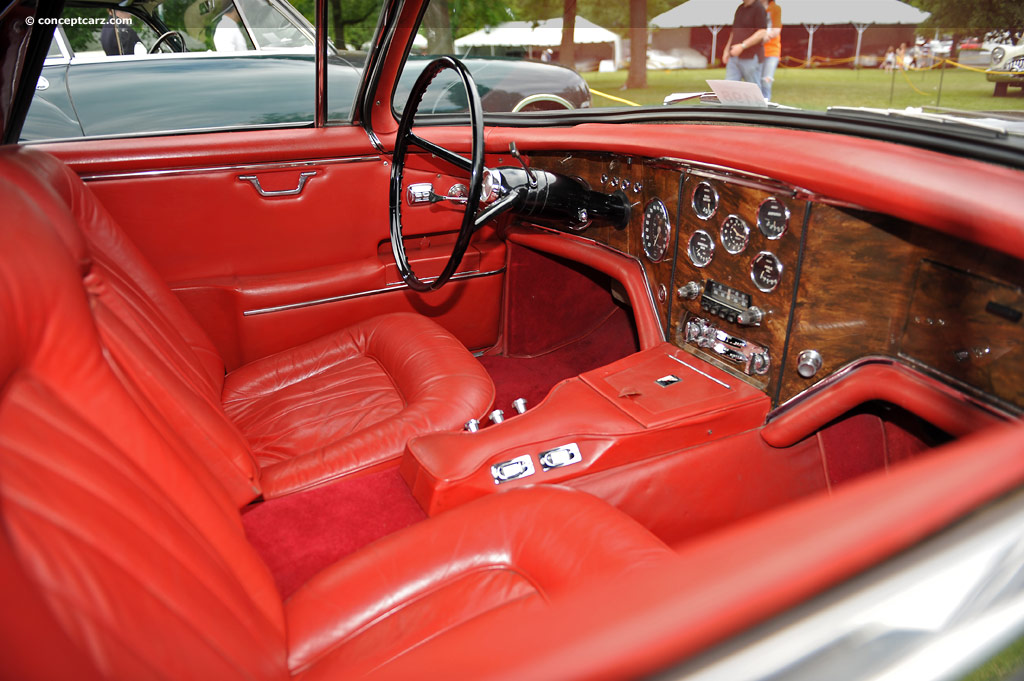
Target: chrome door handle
[(303, 178)]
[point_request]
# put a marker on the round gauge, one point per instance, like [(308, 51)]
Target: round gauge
[(773, 218), (701, 248), (656, 230), (766, 271), (705, 201), (735, 234)]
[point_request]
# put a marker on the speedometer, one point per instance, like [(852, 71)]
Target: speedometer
[(656, 230), (735, 234)]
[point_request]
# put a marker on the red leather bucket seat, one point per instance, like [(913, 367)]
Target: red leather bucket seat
[(343, 403), (122, 554)]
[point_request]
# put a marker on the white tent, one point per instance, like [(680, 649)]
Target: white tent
[(718, 14), (547, 33)]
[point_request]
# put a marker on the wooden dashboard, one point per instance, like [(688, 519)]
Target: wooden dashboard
[(832, 284)]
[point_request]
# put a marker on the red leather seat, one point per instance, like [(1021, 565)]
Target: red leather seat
[(343, 403), (124, 555)]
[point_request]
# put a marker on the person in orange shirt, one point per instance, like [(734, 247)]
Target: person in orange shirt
[(772, 47)]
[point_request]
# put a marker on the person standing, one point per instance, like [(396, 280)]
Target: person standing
[(772, 47), (117, 37), (744, 51)]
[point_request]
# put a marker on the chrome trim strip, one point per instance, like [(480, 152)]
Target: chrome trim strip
[(948, 385), (254, 167), (362, 294), (693, 368)]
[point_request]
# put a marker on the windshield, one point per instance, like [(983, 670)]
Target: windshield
[(817, 55)]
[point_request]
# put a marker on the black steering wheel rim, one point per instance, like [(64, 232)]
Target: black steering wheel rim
[(474, 164)]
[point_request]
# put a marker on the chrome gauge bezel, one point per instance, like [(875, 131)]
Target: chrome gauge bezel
[(693, 201), (689, 248), (738, 229), (753, 271), (760, 221), (656, 252)]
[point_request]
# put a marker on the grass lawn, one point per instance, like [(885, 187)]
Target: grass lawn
[(820, 88)]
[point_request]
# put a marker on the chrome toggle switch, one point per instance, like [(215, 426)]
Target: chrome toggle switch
[(497, 416), (520, 405), (560, 456), (472, 426), (513, 469)]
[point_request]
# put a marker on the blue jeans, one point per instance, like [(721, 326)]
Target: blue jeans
[(768, 76), (744, 69)]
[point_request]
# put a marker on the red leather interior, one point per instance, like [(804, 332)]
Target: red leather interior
[(889, 382), (616, 414), (132, 557), (352, 400), (332, 406), (329, 243)]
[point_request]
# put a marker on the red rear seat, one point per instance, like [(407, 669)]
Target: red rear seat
[(342, 403), (127, 557)]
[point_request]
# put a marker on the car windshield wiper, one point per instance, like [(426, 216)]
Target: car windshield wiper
[(988, 125)]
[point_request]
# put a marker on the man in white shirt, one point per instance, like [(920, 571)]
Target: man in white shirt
[(228, 36)]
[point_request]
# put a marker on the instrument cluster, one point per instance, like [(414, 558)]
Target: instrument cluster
[(734, 234)]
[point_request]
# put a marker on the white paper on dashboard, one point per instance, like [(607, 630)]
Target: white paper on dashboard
[(737, 92)]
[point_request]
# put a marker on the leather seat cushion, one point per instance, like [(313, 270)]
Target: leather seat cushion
[(523, 548), (349, 401)]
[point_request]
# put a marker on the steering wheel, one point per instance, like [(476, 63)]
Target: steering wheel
[(474, 164), (165, 38)]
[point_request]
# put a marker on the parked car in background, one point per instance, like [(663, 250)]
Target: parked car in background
[(183, 81), (1007, 68)]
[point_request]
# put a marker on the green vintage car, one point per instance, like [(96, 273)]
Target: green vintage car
[(177, 78)]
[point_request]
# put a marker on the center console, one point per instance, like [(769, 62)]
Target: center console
[(647, 404)]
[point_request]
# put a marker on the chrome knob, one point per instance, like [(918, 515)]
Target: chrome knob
[(520, 405), (689, 291), (497, 416), (752, 316), (808, 362), (472, 426), (760, 363)]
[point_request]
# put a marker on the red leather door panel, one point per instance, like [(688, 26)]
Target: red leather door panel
[(262, 273)]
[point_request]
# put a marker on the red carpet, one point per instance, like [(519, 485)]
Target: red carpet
[(300, 534), (562, 320)]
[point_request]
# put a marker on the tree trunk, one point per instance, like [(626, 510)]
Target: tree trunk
[(339, 25), (637, 77), (438, 24), (567, 52)]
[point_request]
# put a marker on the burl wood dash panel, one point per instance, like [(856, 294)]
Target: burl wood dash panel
[(875, 286)]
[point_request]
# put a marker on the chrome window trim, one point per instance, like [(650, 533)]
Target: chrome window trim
[(462, 276)]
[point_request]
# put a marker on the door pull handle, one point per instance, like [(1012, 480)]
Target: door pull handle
[(255, 181)]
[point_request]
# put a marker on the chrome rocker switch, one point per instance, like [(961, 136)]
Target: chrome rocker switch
[(513, 469), (560, 456)]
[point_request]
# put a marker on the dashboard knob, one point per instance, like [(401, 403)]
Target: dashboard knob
[(689, 291), (808, 363), (752, 316), (472, 426), (520, 405), (497, 416), (760, 363)]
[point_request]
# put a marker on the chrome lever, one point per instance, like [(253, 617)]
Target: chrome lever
[(255, 181)]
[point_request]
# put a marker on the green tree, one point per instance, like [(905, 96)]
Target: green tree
[(976, 16)]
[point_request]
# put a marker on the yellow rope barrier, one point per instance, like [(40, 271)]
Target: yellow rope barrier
[(912, 86), (612, 97)]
